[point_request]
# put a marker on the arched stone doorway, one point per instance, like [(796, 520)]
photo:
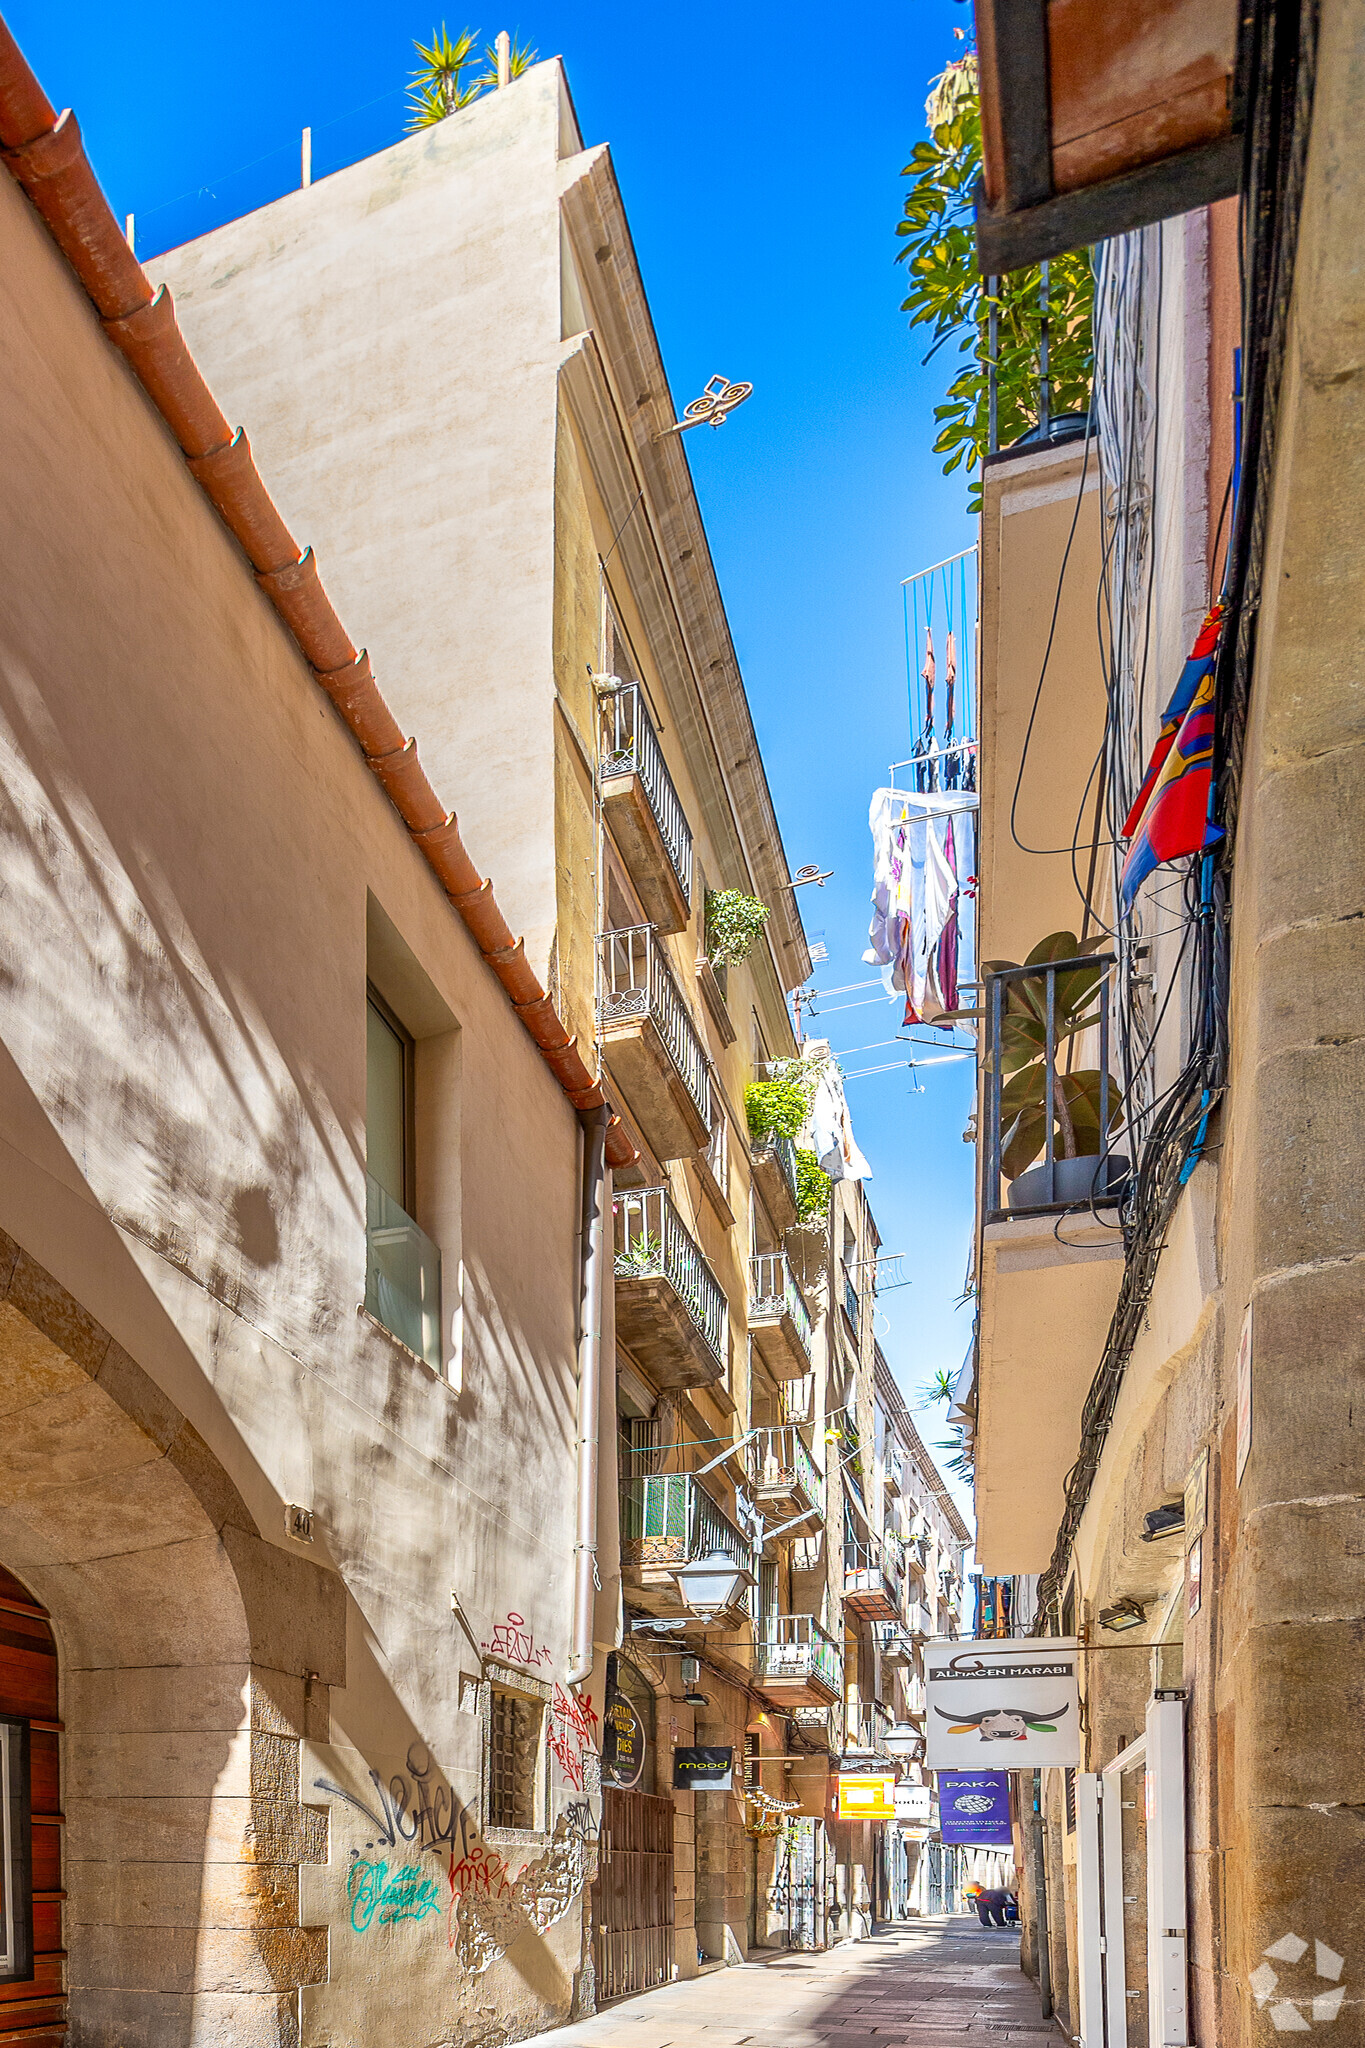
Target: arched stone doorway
[(191, 1660)]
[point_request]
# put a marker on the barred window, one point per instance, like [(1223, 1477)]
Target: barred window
[(514, 1724)]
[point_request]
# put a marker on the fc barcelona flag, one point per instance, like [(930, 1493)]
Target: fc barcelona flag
[(1171, 815)]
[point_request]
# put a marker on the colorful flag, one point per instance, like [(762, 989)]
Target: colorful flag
[(1171, 815)]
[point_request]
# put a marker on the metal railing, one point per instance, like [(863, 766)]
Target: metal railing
[(863, 1557), (795, 1644), (402, 1275), (637, 981), (773, 1292), (667, 1518), (779, 1456), (652, 1241), (631, 745), (784, 1150), (796, 1399), (868, 1725), (1040, 1098)]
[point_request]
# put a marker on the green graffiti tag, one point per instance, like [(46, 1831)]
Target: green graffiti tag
[(373, 1893)]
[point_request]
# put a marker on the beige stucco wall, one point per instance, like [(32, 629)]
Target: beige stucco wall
[(191, 839), (391, 336)]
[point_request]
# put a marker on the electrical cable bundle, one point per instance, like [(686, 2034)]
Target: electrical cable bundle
[(1280, 62)]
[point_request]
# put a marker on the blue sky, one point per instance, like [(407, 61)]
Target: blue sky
[(759, 151)]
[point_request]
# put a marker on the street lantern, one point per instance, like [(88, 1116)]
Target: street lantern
[(709, 1585)]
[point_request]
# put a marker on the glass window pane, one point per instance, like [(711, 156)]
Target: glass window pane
[(385, 1129)]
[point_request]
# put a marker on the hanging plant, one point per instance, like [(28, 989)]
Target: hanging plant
[(812, 1189), (734, 924)]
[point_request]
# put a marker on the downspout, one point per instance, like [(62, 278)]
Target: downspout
[(594, 1253)]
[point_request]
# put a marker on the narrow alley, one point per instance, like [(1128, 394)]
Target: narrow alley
[(941, 1980)]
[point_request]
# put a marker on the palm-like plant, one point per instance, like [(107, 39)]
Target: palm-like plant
[(1022, 1055), (438, 86)]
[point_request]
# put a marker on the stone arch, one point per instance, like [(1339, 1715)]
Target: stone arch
[(193, 1658)]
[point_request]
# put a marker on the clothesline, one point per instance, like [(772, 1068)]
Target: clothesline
[(896, 1066)]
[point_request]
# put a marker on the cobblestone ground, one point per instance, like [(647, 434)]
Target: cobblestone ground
[(941, 1983)]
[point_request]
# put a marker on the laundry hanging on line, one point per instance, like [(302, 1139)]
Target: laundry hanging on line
[(924, 859)]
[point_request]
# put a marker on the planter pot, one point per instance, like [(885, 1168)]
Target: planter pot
[(1078, 1181)]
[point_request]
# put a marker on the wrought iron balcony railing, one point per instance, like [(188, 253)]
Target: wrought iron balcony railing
[(630, 745), (637, 982), (667, 1518), (778, 1460), (867, 1727), (653, 1242), (1050, 1097), (773, 1292), (794, 1646)]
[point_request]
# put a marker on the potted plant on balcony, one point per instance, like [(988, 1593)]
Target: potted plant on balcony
[(1083, 1167)]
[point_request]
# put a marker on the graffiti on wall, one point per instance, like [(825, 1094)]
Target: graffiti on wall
[(376, 1894), (572, 1735), (514, 1642), (487, 1903)]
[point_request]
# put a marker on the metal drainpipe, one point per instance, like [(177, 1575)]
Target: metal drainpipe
[(593, 1238), (1039, 1859)]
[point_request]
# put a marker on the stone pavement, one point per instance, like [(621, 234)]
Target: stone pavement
[(940, 1983)]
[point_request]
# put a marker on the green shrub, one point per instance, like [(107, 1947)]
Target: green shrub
[(734, 924), (776, 1108), (812, 1188)]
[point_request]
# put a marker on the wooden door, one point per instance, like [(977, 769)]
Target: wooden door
[(32, 2001), (632, 1900)]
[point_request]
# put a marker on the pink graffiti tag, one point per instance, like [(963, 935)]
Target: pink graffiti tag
[(572, 1733), (513, 1641)]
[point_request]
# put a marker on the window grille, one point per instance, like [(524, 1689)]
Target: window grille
[(513, 1755)]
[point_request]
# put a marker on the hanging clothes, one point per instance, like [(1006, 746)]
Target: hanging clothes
[(924, 753), (1172, 814), (951, 758), (918, 839), (832, 1138)]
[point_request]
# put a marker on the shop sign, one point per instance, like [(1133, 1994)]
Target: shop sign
[(866, 1797), (1016, 1699), (623, 1744), (914, 1802), (974, 1808), (703, 1770)]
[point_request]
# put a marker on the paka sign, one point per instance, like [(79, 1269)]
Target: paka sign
[(1014, 1701), (865, 1796), (974, 1808)]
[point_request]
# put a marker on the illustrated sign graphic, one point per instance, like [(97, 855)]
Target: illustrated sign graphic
[(974, 1808), (1014, 1703), (864, 1797), (623, 1743), (703, 1770)]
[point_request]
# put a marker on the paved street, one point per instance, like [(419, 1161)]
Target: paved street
[(944, 1981)]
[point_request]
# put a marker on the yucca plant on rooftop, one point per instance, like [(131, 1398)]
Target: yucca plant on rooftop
[(438, 86)]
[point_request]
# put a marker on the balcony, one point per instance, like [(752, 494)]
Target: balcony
[(1052, 1122), (774, 1167), (870, 1589), (668, 1520), (778, 1319), (642, 809), (895, 1647), (868, 1727), (822, 1725), (797, 1664), (651, 1045), (916, 1620), (670, 1307), (782, 1474), (402, 1276)]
